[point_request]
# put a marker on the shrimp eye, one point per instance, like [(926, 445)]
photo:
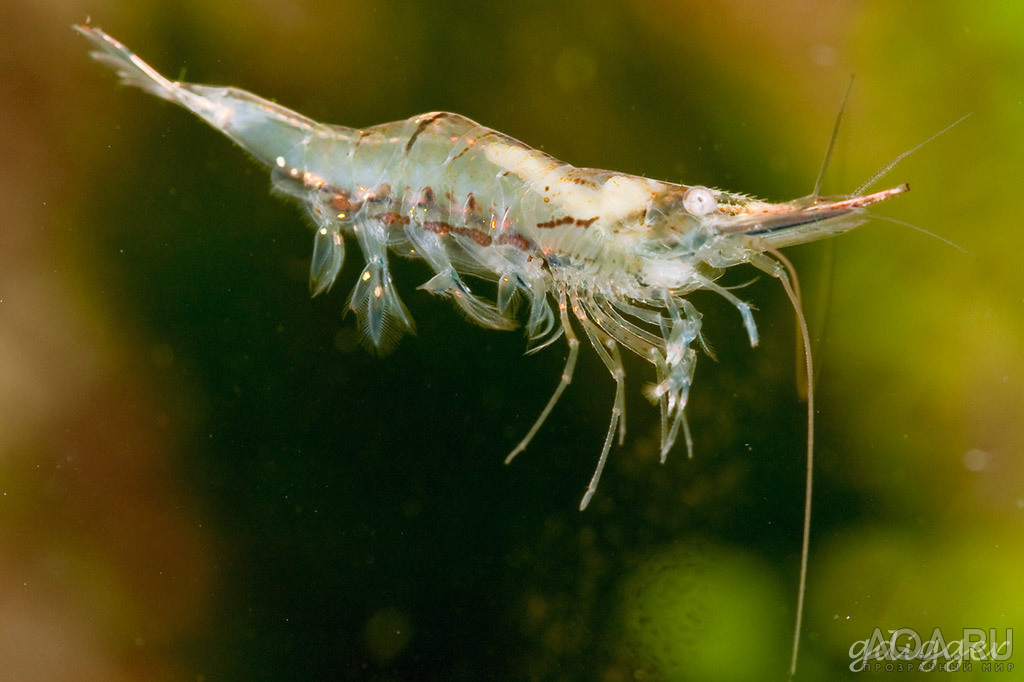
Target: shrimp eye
[(699, 200)]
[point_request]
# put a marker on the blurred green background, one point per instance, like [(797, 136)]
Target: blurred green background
[(202, 477)]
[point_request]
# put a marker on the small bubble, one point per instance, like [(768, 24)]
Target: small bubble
[(976, 460), (824, 55), (387, 633)]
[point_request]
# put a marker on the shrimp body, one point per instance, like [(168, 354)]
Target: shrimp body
[(618, 251), (611, 254)]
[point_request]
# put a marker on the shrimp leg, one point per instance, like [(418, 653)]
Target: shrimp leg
[(739, 303), (608, 351), (566, 379)]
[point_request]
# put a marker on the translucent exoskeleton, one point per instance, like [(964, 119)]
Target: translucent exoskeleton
[(610, 255)]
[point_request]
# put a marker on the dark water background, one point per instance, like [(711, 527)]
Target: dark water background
[(204, 477)]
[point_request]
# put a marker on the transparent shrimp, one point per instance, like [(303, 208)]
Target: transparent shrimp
[(610, 254)]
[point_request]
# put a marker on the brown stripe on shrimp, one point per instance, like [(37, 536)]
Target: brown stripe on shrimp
[(425, 121), (342, 201), (568, 220), (443, 229), (515, 239)]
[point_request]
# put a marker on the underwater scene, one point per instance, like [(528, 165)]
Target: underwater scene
[(207, 474)]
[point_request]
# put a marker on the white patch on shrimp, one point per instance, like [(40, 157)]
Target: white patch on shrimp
[(618, 197), (534, 167), (667, 273)]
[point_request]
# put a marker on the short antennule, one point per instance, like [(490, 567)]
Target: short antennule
[(832, 141), (892, 164)]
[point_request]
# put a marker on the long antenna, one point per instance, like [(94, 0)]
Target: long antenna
[(825, 292), (805, 542)]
